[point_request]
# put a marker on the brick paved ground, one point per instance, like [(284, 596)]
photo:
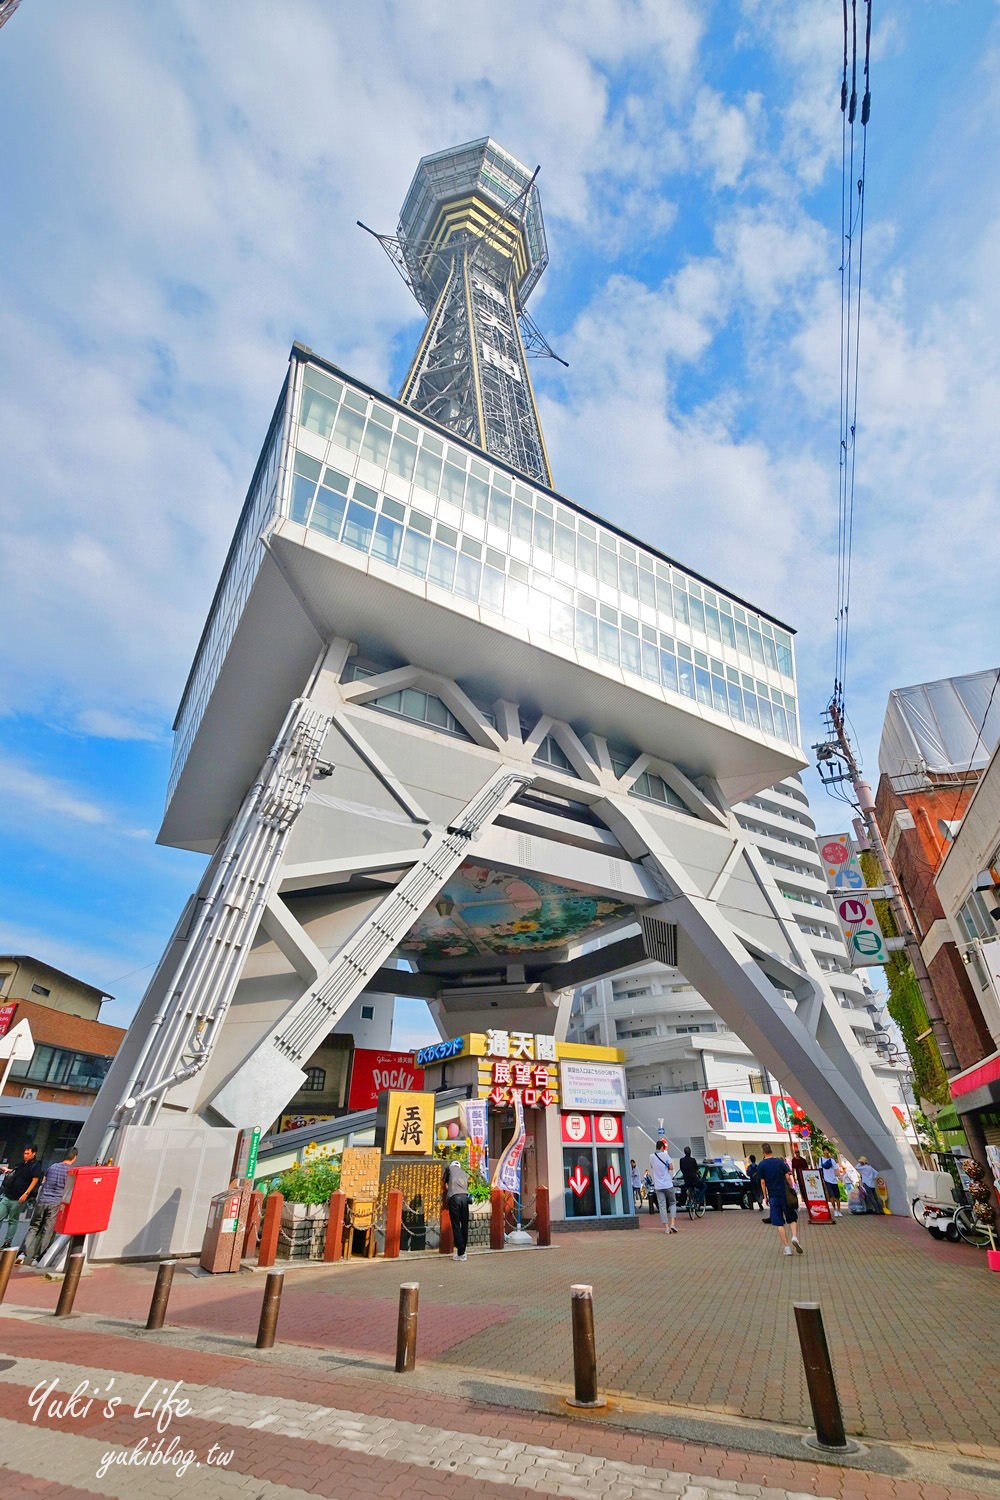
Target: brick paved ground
[(698, 1322)]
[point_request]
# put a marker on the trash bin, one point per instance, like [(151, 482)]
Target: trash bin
[(222, 1247)]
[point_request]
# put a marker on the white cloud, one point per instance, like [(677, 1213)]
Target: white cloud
[(33, 794)]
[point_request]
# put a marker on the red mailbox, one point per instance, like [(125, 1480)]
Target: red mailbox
[(87, 1201)]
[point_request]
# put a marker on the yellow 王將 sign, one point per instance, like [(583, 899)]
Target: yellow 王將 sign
[(410, 1124)]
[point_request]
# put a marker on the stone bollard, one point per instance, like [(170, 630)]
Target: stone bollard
[(267, 1250)]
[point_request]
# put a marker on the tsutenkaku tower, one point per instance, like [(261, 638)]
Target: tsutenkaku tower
[(471, 247)]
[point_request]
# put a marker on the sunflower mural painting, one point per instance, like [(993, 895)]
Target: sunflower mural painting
[(488, 911)]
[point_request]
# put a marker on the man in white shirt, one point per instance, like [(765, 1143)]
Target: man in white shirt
[(662, 1171), (831, 1183), (868, 1176)]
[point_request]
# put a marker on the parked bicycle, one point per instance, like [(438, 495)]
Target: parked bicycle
[(952, 1221)]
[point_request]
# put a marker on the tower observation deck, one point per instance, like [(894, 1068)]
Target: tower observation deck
[(443, 728), (471, 247)]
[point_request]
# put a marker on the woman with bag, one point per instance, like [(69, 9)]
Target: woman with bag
[(776, 1180)]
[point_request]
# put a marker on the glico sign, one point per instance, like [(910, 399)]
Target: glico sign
[(440, 1052)]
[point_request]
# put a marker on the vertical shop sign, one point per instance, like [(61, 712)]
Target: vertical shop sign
[(854, 907), (508, 1168)]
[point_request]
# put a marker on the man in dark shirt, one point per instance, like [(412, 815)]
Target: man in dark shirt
[(456, 1188), (776, 1179), (17, 1186), (691, 1173), (41, 1230)]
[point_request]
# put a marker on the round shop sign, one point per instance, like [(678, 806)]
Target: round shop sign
[(575, 1127), (608, 1128)]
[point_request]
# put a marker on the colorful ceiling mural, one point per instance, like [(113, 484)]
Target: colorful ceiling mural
[(483, 911)]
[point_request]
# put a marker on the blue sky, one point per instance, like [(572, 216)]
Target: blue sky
[(178, 193)]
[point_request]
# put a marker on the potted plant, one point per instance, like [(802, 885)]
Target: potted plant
[(306, 1189)]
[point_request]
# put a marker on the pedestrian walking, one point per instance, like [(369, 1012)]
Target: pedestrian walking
[(42, 1227), (636, 1185), (662, 1169), (753, 1172), (783, 1200), (868, 1176), (647, 1183), (456, 1188), (831, 1183), (17, 1187)]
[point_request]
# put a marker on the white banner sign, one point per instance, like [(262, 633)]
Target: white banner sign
[(592, 1086), (854, 907)]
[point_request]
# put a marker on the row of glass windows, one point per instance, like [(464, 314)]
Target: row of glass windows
[(975, 918), (352, 513), (74, 1070), (533, 528)]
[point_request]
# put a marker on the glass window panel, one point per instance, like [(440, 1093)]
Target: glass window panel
[(697, 614), (756, 647), (415, 553), (501, 482), (586, 632), (492, 589), (521, 525), (316, 381), (349, 429), (538, 611), (766, 716), (562, 622), (334, 480), (703, 686), (607, 568), (453, 484), (467, 577), (388, 538), (307, 466), (608, 642), (328, 512), (427, 473), (375, 445), (720, 697), (728, 631), (586, 557), (784, 658), (499, 508), (647, 591), (650, 662), (302, 493), (742, 638), (780, 722), (685, 677), (413, 703), (750, 704), (436, 713), (543, 533), (770, 654), (477, 496), (668, 670), (403, 457), (516, 599), (735, 701), (712, 623), (356, 401), (442, 568), (393, 509), (360, 523), (317, 413), (629, 574), (631, 656), (681, 611), (408, 429), (565, 545)]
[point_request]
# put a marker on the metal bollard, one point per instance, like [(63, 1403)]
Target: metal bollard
[(161, 1294), (269, 1309), (584, 1349), (819, 1379), (406, 1328), (7, 1259), (70, 1282)]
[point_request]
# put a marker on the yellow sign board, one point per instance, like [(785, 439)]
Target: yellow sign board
[(359, 1172), (410, 1124)]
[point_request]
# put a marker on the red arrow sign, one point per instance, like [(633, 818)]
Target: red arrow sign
[(578, 1181), (612, 1181)]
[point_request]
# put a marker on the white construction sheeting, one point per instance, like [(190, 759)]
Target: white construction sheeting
[(941, 727)]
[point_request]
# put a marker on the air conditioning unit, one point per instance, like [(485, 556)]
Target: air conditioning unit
[(29, 1093)]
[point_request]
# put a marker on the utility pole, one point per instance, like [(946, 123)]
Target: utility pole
[(898, 903)]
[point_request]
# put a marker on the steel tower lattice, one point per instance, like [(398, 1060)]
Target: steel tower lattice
[(471, 246)]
